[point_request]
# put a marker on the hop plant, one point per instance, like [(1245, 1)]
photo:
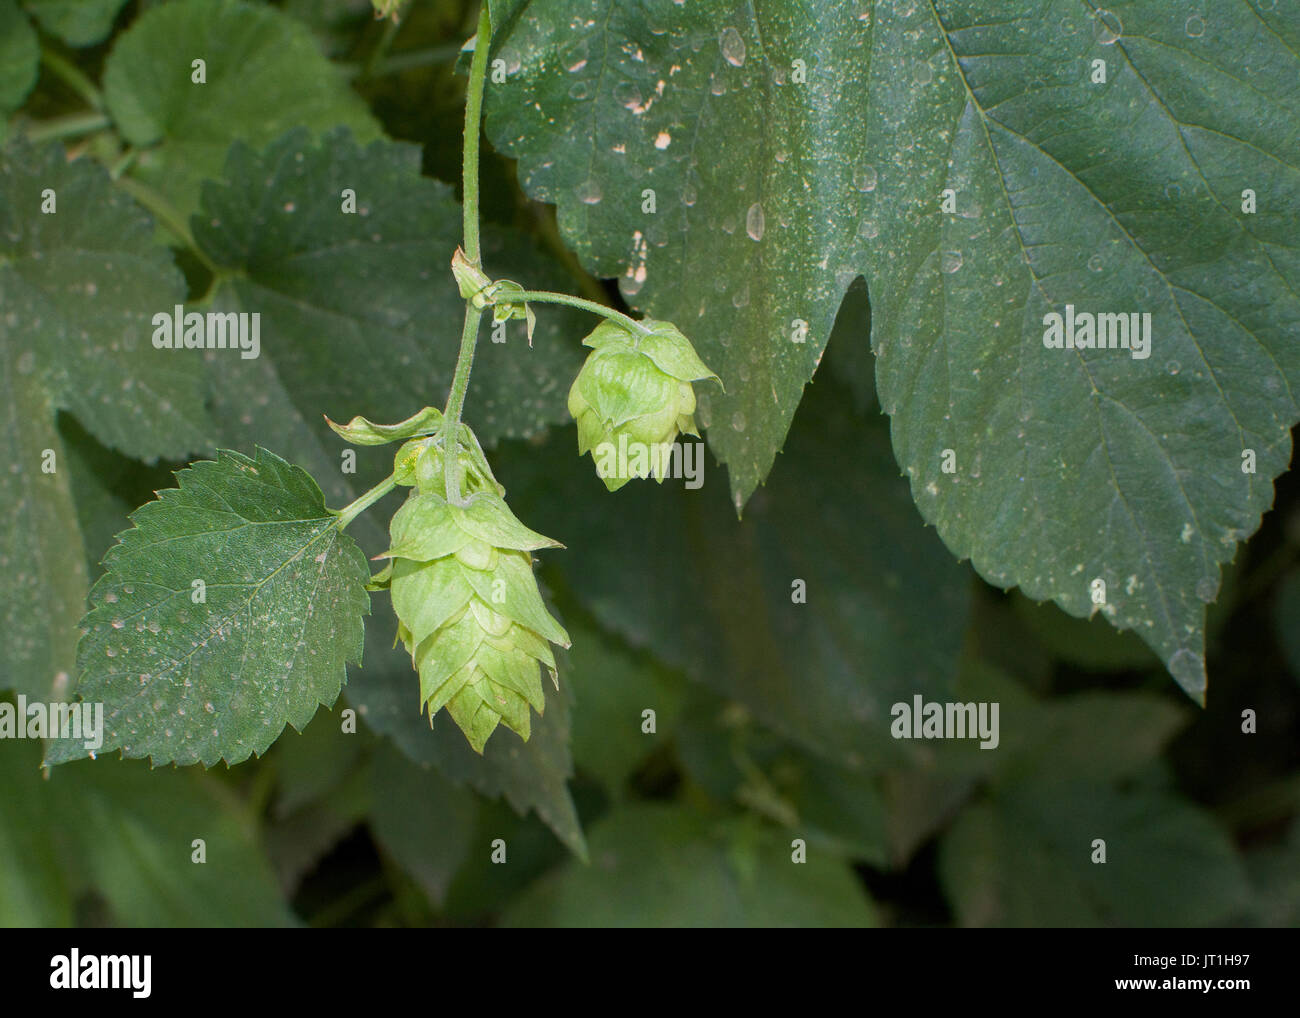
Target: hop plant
[(468, 608), (633, 397), (460, 574)]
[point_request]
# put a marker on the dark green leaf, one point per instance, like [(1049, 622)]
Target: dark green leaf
[(656, 865), (737, 761), (612, 687), (297, 842), (773, 195), (360, 313), (531, 775), (1088, 643), (190, 678), (20, 56), (1275, 877), (673, 571), (76, 22), (264, 74), (33, 886), (1025, 859), (133, 831), (77, 289), (311, 764), (426, 822)]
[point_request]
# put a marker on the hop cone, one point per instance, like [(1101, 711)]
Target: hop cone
[(467, 603), (633, 397)]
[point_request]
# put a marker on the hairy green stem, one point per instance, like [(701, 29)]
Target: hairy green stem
[(72, 76), (166, 213), (469, 331), (473, 112), (407, 60), (123, 164), (381, 49), (456, 402), (72, 126), (549, 297), (354, 509)]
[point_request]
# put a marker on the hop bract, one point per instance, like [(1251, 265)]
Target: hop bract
[(633, 397), (469, 611)]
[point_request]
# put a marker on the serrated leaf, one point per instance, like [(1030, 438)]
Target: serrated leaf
[(662, 865), (425, 821), (322, 779), (1275, 875), (77, 288), (1069, 770), (1089, 643), (309, 765), (612, 686), (297, 842), (1024, 859), (20, 57), (131, 831), (264, 75), (360, 313), (503, 10), (774, 193), (738, 761), (806, 612), (186, 680), (108, 487), (531, 776), (76, 22), (1091, 736), (34, 889)]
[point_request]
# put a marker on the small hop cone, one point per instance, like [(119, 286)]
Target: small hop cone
[(469, 611), (633, 397)]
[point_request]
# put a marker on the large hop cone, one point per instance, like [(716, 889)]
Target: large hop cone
[(633, 397), (469, 611)]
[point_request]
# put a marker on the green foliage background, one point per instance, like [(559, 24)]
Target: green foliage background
[(771, 716)]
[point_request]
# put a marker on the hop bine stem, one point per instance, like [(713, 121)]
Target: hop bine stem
[(550, 297), (469, 175), (354, 509), (473, 112)]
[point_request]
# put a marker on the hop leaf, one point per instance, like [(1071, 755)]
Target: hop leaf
[(633, 397), (468, 608), (360, 431)]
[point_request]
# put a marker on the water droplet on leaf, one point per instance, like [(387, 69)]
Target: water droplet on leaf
[(1108, 27), (733, 47)]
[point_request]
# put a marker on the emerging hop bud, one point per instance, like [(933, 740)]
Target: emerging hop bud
[(633, 397)]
